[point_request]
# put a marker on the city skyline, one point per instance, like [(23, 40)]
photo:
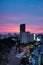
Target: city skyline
[(16, 12)]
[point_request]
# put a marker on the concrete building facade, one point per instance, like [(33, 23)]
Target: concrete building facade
[(25, 37)]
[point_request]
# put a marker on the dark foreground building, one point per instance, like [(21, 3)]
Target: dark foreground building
[(22, 28)]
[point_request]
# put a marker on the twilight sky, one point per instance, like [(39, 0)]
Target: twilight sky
[(16, 12)]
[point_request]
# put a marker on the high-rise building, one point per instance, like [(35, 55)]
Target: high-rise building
[(22, 28), (25, 37)]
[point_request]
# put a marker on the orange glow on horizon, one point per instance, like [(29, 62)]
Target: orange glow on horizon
[(14, 28)]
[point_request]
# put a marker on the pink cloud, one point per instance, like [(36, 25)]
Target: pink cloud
[(15, 28), (10, 27), (34, 29)]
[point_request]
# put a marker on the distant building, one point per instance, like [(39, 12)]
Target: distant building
[(41, 49), (39, 37), (0, 36), (38, 52), (42, 38), (35, 37), (22, 28), (31, 37), (25, 37)]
